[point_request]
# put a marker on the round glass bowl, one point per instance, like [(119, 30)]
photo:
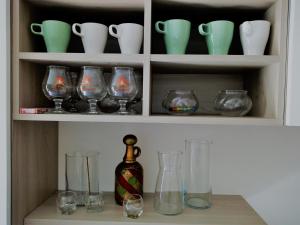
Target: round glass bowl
[(180, 102), (233, 103)]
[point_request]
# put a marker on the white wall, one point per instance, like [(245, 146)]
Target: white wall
[(260, 163), (293, 81), (4, 113)]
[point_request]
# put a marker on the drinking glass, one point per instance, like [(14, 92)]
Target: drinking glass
[(91, 87), (197, 176), (123, 87), (168, 197), (133, 206), (66, 202), (75, 176), (94, 197), (94, 202), (135, 106), (57, 86)]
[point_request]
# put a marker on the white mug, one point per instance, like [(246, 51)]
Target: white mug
[(130, 37), (254, 36), (93, 35)]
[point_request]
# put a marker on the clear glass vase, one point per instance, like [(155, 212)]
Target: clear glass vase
[(168, 198), (197, 174), (180, 102), (233, 103), (82, 177)]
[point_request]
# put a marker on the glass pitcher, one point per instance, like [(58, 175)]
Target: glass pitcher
[(168, 198)]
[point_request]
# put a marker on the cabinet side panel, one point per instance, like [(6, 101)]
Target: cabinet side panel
[(34, 166)]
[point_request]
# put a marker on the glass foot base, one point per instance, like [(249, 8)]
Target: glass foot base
[(54, 111)]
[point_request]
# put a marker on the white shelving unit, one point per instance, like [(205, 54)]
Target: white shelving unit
[(263, 76), (35, 137)]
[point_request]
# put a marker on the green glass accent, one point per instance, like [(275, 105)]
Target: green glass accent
[(121, 190), (56, 34), (218, 35), (132, 181), (176, 34)]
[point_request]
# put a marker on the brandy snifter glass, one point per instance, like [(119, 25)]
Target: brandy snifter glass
[(57, 86), (123, 87), (91, 87)]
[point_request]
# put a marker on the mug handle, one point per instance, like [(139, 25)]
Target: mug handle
[(247, 28), (75, 31), (157, 28), (36, 25), (201, 29), (111, 30)]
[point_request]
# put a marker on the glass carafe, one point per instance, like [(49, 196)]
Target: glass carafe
[(168, 198)]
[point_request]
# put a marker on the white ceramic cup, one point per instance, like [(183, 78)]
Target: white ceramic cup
[(93, 35), (130, 37), (254, 36)]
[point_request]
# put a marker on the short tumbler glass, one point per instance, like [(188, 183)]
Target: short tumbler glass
[(66, 202), (133, 206), (94, 202)]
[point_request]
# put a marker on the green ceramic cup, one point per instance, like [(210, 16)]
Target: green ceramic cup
[(56, 34), (218, 36), (176, 34)]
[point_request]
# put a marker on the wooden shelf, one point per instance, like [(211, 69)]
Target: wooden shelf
[(226, 210), (195, 120), (94, 4), (222, 4), (80, 59), (220, 62)]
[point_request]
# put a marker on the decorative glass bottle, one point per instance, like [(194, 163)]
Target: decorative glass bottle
[(129, 173)]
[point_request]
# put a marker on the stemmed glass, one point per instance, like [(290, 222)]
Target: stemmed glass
[(136, 104), (57, 86), (92, 87), (123, 87)]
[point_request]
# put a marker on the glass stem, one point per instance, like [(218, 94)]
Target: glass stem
[(93, 105), (122, 106), (58, 102)]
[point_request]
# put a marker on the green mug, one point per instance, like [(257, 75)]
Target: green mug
[(218, 36), (176, 34), (56, 34)]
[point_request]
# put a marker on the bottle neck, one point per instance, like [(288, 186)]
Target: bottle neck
[(129, 156)]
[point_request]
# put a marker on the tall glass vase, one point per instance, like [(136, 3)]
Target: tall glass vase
[(197, 174), (82, 177), (168, 198)]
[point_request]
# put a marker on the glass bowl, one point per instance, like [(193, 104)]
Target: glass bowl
[(233, 103), (180, 102)]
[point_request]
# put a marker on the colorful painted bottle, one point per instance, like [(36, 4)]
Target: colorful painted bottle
[(129, 173)]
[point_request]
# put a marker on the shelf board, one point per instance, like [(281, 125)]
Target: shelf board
[(192, 120), (80, 59), (94, 4), (245, 4), (212, 62), (226, 210)]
